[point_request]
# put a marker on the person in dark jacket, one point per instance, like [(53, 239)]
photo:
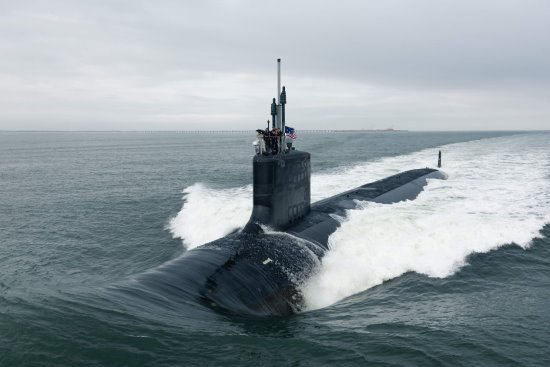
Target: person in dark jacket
[(276, 139)]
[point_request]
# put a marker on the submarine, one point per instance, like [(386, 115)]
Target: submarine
[(259, 269)]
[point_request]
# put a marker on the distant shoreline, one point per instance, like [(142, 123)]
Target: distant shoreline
[(194, 131), (249, 131)]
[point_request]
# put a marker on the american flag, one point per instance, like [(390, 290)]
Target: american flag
[(290, 132)]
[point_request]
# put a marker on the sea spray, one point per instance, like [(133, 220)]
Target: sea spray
[(209, 214), (490, 199)]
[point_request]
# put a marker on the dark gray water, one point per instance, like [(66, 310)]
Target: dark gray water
[(81, 214)]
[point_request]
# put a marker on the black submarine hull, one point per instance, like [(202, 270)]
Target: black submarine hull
[(259, 271)]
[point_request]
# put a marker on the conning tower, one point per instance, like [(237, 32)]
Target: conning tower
[(281, 184)]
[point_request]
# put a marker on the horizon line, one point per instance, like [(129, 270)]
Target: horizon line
[(247, 131)]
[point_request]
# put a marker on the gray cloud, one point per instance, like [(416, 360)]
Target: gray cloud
[(435, 64)]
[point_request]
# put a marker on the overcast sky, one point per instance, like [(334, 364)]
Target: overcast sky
[(178, 65)]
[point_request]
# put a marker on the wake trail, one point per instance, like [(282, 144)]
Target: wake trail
[(498, 192)]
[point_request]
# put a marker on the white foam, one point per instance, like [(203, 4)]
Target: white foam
[(209, 214), (497, 193)]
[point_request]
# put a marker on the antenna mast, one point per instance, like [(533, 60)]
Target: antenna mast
[(281, 101), (278, 81)]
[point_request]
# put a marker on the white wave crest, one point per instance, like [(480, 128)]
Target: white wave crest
[(498, 192), (209, 214)]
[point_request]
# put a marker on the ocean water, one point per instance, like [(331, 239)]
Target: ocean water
[(459, 277)]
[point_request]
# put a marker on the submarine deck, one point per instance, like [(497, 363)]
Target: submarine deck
[(320, 222)]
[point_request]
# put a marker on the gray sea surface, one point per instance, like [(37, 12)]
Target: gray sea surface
[(82, 213)]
